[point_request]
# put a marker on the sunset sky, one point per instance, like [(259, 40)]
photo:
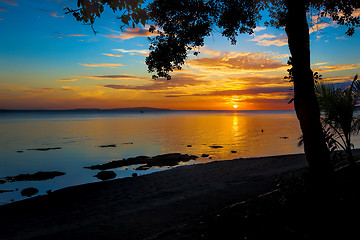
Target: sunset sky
[(48, 60)]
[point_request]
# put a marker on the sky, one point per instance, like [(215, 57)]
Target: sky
[(48, 60)]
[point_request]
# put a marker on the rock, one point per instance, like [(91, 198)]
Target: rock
[(204, 155), (2, 181), (143, 168), (49, 191), (106, 146), (189, 146), (128, 143), (43, 149), (120, 163), (4, 191), (105, 175), (134, 175), (38, 176), (284, 137), (216, 146), (28, 192), (19, 151), (233, 151)]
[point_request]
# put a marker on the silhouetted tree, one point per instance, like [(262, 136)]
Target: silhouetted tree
[(184, 24)]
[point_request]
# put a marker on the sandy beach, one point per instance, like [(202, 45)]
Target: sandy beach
[(143, 207)]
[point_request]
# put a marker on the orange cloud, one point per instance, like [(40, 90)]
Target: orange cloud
[(67, 79), (113, 55), (268, 40), (112, 77), (107, 65), (130, 33), (341, 67), (238, 61), (179, 80)]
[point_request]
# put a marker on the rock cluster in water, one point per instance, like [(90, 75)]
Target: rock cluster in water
[(38, 176), (170, 159)]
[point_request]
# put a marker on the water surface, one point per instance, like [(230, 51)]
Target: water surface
[(79, 135)]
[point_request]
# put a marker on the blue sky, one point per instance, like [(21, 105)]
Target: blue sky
[(50, 61)]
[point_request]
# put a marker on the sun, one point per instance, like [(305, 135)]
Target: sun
[(235, 106)]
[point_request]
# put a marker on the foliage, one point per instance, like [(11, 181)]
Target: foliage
[(132, 11), (338, 108)]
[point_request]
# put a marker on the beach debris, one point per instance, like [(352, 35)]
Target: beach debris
[(19, 151), (28, 192), (134, 175), (169, 159), (284, 137), (43, 149), (105, 175), (38, 176), (189, 146), (262, 130), (233, 151), (216, 146), (106, 146), (205, 155)]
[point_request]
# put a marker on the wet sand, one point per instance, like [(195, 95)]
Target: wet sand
[(143, 207)]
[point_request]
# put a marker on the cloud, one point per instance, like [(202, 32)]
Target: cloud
[(10, 2), (4, 10), (268, 40), (341, 67), (1, 19), (319, 26), (67, 80), (179, 80), (41, 90), (113, 55), (106, 65), (122, 77), (77, 35), (53, 14), (207, 51), (258, 29), (238, 61), (142, 52), (318, 64), (130, 33), (250, 91)]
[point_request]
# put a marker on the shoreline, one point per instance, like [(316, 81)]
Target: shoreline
[(143, 206)]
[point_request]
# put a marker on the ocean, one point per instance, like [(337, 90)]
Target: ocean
[(68, 141)]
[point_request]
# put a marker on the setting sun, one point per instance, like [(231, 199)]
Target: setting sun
[(235, 106)]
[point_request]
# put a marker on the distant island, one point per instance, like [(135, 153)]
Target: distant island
[(138, 109)]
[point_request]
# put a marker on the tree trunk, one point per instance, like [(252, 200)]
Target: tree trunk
[(305, 101)]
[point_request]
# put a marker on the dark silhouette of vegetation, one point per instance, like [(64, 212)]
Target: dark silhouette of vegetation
[(338, 108), (184, 24)]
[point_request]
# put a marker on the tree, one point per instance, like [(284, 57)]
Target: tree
[(185, 23), (338, 107)]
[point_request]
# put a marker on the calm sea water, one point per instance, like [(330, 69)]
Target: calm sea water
[(79, 135)]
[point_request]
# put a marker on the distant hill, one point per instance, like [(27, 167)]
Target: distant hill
[(138, 109), (123, 109)]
